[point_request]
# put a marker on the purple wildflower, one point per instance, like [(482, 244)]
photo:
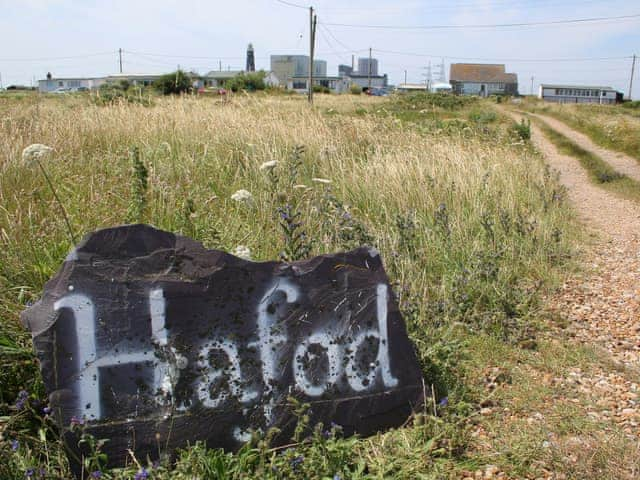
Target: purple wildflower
[(296, 462), (29, 472), (337, 477), (142, 475), (15, 444), (96, 474), (46, 410), (443, 402), (21, 401)]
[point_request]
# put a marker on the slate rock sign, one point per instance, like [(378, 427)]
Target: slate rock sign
[(154, 340)]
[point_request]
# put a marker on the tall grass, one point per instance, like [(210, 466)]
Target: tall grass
[(470, 227), (599, 170), (610, 126)]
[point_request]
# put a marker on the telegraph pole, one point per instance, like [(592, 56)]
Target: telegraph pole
[(532, 85), (405, 77), (633, 68), (120, 58), (312, 40), (369, 74)]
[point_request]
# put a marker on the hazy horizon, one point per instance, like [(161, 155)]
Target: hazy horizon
[(158, 36)]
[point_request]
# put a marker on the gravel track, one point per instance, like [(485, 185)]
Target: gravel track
[(602, 305)]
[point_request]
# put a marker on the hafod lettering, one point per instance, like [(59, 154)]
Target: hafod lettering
[(145, 333)]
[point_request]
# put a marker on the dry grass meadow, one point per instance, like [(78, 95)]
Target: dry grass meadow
[(471, 225)]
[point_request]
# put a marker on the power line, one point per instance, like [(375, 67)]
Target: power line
[(291, 4), (45, 59), (481, 6), (511, 60), (487, 25)]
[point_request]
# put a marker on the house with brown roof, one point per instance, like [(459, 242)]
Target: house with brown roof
[(482, 79)]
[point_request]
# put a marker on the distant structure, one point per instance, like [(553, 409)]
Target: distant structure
[(287, 67), (482, 79), (344, 70), (251, 59), (578, 94), (363, 66)]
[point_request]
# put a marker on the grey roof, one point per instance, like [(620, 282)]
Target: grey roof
[(584, 87), (223, 73)]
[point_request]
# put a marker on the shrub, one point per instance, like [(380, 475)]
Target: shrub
[(355, 89), (522, 130), (173, 83), (247, 81)]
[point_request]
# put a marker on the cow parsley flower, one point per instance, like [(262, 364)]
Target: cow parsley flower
[(242, 196), (35, 152), (242, 251), (268, 166)]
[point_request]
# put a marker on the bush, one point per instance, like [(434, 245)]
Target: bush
[(356, 89), (247, 81), (173, 83), (522, 130)]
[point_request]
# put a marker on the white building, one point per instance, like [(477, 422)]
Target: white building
[(377, 81), (75, 84), (411, 87), (300, 84), (440, 87), (577, 94)]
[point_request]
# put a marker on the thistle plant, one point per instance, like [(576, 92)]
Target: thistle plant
[(297, 245)]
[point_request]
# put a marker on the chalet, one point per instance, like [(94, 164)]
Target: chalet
[(482, 79), (578, 94)]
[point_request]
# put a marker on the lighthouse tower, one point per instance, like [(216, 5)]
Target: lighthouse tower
[(251, 59)]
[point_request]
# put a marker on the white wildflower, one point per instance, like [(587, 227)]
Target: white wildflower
[(242, 251), (242, 196), (34, 152), (321, 180), (269, 165)]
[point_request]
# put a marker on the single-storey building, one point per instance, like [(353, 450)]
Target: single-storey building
[(138, 79), (300, 84), (219, 78), (362, 80), (577, 94), (411, 87), (482, 79), (51, 84)]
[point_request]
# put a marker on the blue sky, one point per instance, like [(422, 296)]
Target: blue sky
[(158, 35)]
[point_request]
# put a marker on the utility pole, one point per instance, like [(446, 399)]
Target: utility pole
[(312, 40), (220, 65), (633, 68), (0, 81), (120, 58), (532, 85), (405, 77), (369, 74)]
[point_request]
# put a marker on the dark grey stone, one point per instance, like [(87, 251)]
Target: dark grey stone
[(153, 340)]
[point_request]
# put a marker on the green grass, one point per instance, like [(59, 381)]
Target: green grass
[(472, 228), (616, 127), (600, 172)]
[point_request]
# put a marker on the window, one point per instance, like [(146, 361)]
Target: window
[(299, 85), (61, 84)]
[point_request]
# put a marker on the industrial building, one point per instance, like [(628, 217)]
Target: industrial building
[(365, 63), (286, 67), (578, 94)]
